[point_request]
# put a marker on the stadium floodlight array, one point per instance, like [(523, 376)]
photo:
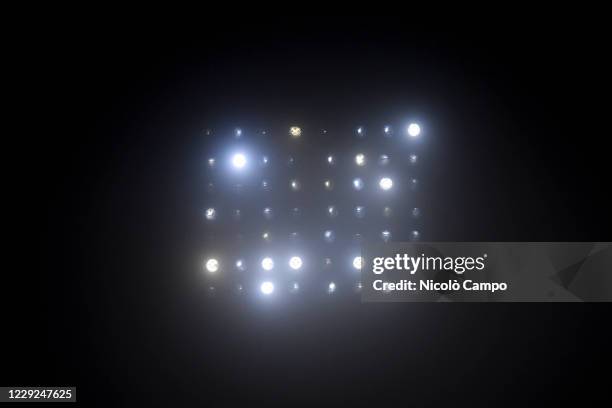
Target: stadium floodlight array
[(282, 222)]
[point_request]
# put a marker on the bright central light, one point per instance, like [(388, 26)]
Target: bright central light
[(385, 183), (331, 288), (357, 262), (267, 264), (267, 288), (212, 265), (211, 214), (358, 184), (360, 159), (239, 160), (295, 131), (295, 262), (414, 130)]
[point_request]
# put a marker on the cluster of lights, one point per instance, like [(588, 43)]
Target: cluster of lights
[(241, 162), (295, 262), (210, 214)]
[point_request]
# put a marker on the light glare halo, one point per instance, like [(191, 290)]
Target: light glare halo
[(295, 262), (331, 288), (267, 288), (357, 262), (239, 160), (414, 129), (210, 214), (267, 263), (295, 131), (212, 265), (360, 159), (385, 183)]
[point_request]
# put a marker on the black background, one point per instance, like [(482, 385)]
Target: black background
[(104, 294)]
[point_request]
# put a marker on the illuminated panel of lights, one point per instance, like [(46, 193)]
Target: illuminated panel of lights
[(385, 183), (267, 288), (414, 130), (212, 265), (295, 262), (267, 264)]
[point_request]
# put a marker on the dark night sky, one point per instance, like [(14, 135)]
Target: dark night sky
[(112, 201)]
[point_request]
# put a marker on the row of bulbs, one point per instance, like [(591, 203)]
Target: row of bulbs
[(358, 184), (211, 213), (268, 288), (240, 160), (413, 130), (212, 265)]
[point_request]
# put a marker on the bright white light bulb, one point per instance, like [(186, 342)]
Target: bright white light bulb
[(331, 288), (414, 130), (210, 214), (357, 262), (331, 160), (295, 185), (358, 184), (212, 265), (295, 262), (295, 131), (240, 265), (239, 160), (360, 159), (385, 183), (267, 288), (267, 263)]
